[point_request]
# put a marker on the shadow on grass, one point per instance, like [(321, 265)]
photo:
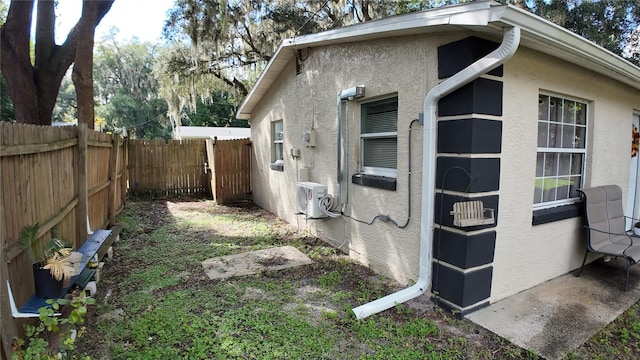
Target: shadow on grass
[(155, 302)]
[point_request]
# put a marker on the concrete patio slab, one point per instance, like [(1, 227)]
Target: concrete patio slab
[(558, 316), (254, 262)]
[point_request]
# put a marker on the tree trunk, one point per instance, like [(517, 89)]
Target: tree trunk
[(34, 88), (83, 66), (365, 11), (16, 63)]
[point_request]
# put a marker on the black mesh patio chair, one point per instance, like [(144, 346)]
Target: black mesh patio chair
[(605, 224)]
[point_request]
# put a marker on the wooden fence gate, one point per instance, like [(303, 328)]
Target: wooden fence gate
[(221, 168), (170, 168), (230, 162)]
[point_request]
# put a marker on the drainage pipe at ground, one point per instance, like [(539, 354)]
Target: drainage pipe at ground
[(504, 52)]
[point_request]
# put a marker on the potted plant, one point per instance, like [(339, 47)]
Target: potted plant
[(50, 260), (636, 228)]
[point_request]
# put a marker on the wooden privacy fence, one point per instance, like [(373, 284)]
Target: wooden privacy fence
[(71, 179), (230, 162), (221, 168), (170, 168), (68, 178)]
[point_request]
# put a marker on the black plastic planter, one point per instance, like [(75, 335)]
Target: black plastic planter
[(46, 286)]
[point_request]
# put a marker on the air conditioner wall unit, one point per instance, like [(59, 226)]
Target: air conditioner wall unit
[(308, 195)]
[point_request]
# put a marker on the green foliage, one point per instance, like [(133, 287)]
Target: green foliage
[(608, 23), (128, 78), (232, 40), (173, 311), (39, 252), (27, 240), (618, 340), (632, 50), (331, 279), (36, 76), (127, 89), (226, 44), (37, 344), (7, 112), (195, 95), (417, 327), (52, 254), (4, 8), (218, 110), (66, 108)]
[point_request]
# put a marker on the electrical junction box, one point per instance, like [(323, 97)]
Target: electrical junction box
[(309, 137)]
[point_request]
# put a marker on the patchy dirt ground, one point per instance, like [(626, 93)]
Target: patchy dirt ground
[(314, 287)]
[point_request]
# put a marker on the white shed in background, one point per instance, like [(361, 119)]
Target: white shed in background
[(202, 132)]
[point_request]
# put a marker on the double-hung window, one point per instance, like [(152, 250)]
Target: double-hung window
[(277, 149), (379, 137), (562, 132)]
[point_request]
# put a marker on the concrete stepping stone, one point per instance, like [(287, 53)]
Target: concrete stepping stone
[(254, 262)]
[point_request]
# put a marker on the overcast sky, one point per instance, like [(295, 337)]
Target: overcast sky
[(141, 18)]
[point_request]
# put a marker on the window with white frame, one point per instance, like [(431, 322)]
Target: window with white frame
[(562, 135), (379, 137), (277, 154)]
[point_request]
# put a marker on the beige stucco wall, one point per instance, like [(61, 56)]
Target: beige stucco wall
[(527, 255), (403, 66)]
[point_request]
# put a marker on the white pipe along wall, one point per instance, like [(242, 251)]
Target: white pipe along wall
[(504, 52), (343, 147)]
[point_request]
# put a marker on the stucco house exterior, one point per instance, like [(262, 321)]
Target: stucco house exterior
[(399, 123)]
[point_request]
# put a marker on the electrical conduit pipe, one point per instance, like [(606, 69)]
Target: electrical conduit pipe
[(504, 52), (343, 146)]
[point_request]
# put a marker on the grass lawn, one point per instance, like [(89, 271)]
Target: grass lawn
[(154, 301)]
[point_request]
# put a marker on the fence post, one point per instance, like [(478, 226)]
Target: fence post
[(6, 323), (113, 179), (218, 177), (9, 329), (81, 184), (246, 160), (125, 171), (211, 165)]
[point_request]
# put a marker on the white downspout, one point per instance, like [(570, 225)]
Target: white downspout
[(509, 45)]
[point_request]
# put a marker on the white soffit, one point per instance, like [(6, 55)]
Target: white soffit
[(484, 16), (544, 36)]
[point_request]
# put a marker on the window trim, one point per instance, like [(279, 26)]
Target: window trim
[(374, 170), (277, 164), (555, 150), (557, 213)]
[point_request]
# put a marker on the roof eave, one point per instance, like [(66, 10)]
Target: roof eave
[(547, 37), (278, 61), (478, 14), (537, 33)]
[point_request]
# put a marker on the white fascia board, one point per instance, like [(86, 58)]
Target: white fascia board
[(476, 13), (537, 33), (544, 36), (270, 73)]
